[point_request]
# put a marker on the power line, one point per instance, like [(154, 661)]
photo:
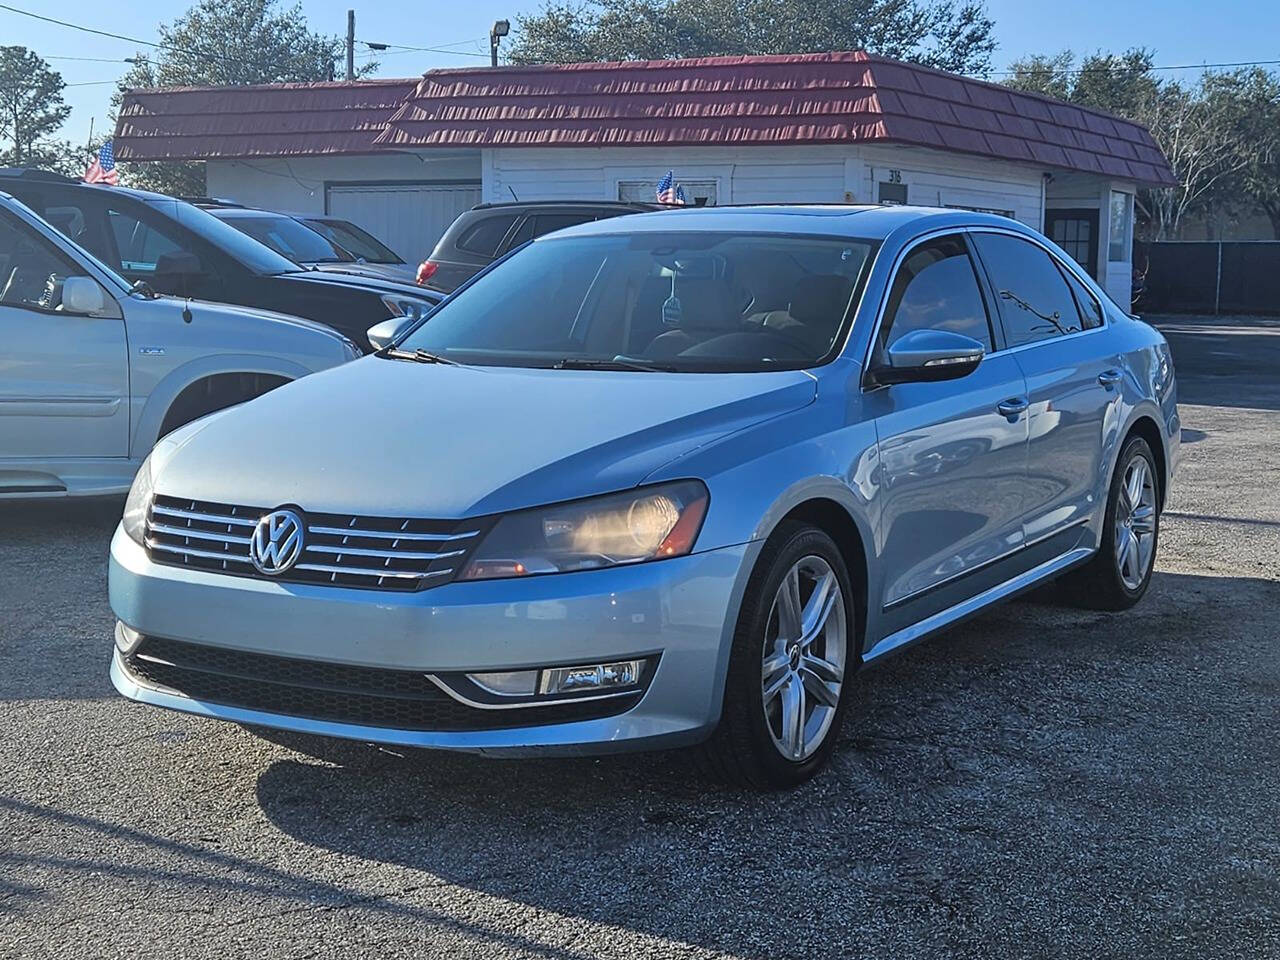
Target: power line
[(398, 48), (94, 59)]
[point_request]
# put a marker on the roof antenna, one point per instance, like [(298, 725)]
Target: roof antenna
[(513, 194)]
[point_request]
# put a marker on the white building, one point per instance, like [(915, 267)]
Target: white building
[(403, 157)]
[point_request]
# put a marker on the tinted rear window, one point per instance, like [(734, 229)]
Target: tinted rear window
[(483, 238)]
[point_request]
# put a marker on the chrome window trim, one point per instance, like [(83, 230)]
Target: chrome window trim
[(969, 230)]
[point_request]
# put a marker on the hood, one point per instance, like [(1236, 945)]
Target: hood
[(398, 272), (395, 438), (379, 285), (209, 310)]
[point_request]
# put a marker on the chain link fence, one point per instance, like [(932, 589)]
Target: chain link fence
[(1233, 276)]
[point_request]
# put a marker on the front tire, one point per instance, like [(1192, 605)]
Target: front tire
[(791, 666), (1120, 572)]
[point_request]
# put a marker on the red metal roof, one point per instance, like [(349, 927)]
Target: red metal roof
[(801, 98), (267, 120)]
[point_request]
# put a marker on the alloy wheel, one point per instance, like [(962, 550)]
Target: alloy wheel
[(1135, 525), (803, 666)]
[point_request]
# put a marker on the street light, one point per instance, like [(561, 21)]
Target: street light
[(500, 29)]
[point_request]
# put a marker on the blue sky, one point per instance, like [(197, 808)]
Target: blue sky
[(1180, 31)]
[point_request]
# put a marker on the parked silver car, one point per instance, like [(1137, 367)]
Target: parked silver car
[(658, 480), (93, 370)]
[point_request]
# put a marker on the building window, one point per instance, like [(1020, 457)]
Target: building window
[(697, 193), (1121, 226)]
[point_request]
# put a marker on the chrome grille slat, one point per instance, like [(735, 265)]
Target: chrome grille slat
[(373, 572), (339, 550), (242, 521), (389, 534), (194, 552), (386, 553), (195, 533)]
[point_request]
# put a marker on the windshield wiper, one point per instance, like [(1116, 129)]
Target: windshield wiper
[(419, 356), (618, 363)]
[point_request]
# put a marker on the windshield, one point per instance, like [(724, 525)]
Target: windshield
[(248, 252), (290, 238), (354, 240), (680, 301)]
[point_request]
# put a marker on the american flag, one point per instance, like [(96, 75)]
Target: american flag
[(103, 168), (669, 192)]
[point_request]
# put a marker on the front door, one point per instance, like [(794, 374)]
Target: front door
[(1076, 232), (64, 379), (1048, 315), (953, 466)]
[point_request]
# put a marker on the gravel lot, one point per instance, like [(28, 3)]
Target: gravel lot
[(1039, 783)]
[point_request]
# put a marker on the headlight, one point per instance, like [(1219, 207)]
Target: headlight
[(652, 523), (407, 307), (138, 503)]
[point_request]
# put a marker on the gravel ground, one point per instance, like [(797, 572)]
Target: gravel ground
[(1039, 783)]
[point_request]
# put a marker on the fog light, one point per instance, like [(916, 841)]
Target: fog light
[(599, 676), (513, 683)]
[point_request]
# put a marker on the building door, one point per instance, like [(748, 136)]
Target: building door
[(407, 217), (1076, 232)]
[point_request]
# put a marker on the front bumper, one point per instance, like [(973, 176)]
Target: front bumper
[(681, 610)]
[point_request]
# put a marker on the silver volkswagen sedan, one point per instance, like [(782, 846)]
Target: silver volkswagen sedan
[(663, 480)]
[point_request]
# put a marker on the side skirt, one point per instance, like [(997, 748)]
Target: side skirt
[(976, 604)]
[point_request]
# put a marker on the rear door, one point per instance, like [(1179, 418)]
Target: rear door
[(953, 466), (1072, 381), (64, 379), (409, 218)]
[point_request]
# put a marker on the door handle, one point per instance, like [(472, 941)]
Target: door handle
[(1012, 407), (1109, 378)]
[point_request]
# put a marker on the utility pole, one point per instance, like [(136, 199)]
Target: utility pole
[(351, 45)]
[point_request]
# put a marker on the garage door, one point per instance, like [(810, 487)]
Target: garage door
[(409, 218)]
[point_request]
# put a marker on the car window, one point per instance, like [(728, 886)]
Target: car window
[(140, 244), (1034, 299), (1090, 308), (551, 222), (523, 234), (483, 237), (936, 288), (689, 302), (290, 238), (351, 238), (32, 270)]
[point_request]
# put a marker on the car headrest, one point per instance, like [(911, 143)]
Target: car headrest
[(820, 300)]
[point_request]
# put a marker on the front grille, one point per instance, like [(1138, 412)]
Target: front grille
[(320, 690), (347, 551)]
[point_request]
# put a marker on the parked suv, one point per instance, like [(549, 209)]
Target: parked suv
[(179, 249), (94, 370), (488, 231)]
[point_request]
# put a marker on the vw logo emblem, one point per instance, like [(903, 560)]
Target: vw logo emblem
[(276, 543)]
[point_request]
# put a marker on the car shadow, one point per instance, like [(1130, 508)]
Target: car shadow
[(1020, 752)]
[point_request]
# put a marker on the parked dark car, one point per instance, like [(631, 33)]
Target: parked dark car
[(319, 242), (489, 230), (178, 249)]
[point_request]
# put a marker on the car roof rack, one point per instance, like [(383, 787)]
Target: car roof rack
[(31, 173), (626, 204), (212, 202)]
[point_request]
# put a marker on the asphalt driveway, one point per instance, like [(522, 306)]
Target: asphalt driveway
[(1039, 783)]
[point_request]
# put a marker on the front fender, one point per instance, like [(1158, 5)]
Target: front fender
[(153, 405)]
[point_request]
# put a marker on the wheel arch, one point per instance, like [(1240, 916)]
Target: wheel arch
[(1146, 427), (156, 404)]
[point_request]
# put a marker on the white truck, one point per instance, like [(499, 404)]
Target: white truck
[(93, 370)]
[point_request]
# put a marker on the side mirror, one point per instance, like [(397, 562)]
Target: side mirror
[(929, 355), (383, 334), (83, 295)]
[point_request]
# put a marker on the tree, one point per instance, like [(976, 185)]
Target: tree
[(1249, 102), (945, 34), (226, 43), (31, 107), (1195, 126)]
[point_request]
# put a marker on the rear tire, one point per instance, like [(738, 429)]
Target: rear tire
[(1120, 572), (792, 665)]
